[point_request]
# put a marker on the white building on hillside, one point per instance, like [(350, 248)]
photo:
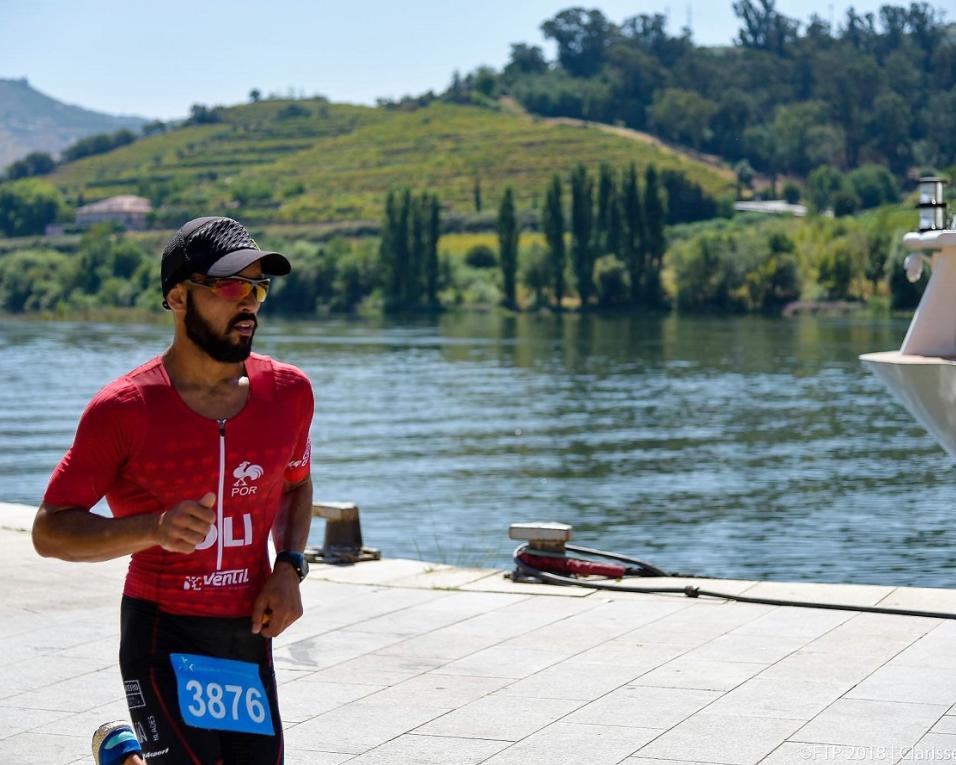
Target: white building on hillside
[(129, 211)]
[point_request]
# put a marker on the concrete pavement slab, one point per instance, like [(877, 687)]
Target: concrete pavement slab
[(945, 724), (736, 739), (702, 674), (644, 707), (567, 743), (394, 664), (430, 750), (434, 689), (862, 722), (356, 727), (761, 696), (500, 716), (933, 747), (571, 679), (41, 748), (792, 753), (921, 685)]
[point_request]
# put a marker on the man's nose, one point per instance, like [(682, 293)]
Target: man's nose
[(249, 302)]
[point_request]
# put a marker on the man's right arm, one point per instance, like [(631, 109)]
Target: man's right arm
[(75, 534)]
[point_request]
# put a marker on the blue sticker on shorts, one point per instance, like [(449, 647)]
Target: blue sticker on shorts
[(221, 694)]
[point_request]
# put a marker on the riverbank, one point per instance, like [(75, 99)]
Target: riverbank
[(402, 661), (823, 308)]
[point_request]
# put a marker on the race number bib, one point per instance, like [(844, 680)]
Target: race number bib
[(221, 694)]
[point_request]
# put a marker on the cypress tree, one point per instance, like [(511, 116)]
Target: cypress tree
[(614, 224), (477, 193), (582, 230), (431, 260), (508, 245), (633, 236), (401, 242), (552, 221), (386, 252), (416, 250), (605, 204), (654, 212)]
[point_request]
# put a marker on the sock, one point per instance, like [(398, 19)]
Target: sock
[(118, 745)]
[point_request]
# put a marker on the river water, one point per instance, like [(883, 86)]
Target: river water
[(735, 447)]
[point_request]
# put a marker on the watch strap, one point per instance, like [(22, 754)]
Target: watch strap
[(296, 560)]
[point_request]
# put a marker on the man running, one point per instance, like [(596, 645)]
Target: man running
[(201, 453)]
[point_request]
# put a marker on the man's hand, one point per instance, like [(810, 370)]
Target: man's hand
[(186, 524), (279, 603)]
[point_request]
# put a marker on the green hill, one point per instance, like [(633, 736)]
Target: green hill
[(33, 121), (311, 161)]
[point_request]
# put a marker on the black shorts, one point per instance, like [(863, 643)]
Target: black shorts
[(147, 637)]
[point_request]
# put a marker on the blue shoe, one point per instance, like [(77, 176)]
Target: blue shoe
[(113, 742)]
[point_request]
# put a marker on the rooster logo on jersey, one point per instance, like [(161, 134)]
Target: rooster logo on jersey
[(246, 470)]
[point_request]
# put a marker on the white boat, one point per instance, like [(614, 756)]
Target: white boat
[(922, 373)]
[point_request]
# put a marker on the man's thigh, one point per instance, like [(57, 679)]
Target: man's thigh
[(152, 687)]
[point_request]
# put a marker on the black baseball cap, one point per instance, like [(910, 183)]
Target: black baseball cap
[(214, 246)]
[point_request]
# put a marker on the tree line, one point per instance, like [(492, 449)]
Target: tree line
[(608, 237), (726, 265), (616, 234), (787, 97), (39, 163), (408, 250)]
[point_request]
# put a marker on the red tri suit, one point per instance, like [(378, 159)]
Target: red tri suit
[(139, 445)]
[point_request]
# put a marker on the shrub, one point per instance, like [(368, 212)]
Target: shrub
[(251, 192), (845, 201), (27, 206), (98, 144), (200, 114), (707, 272), (481, 256), (33, 280), (822, 184), (611, 278), (835, 270), (536, 273), (35, 163), (874, 185), (356, 278), (735, 270), (291, 111)]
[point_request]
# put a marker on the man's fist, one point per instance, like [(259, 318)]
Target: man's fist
[(186, 524)]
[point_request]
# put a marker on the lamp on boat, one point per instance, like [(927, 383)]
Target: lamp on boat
[(932, 205), (922, 373)]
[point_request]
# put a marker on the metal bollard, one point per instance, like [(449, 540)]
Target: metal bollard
[(343, 535)]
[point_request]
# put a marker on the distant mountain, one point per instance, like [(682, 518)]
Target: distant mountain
[(32, 121)]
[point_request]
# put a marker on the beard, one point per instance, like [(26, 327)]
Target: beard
[(218, 346)]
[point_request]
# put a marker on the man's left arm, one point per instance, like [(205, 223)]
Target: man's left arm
[(279, 603)]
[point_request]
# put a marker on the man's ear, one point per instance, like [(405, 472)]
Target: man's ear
[(176, 298)]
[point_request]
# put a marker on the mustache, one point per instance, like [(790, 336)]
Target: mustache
[(244, 317)]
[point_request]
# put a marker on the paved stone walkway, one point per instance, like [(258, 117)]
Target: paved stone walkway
[(401, 661)]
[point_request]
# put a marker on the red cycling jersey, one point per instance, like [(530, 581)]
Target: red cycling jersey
[(139, 445)]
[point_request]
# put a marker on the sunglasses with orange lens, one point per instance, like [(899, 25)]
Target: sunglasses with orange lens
[(235, 288)]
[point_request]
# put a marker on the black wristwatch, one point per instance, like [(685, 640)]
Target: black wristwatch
[(297, 561)]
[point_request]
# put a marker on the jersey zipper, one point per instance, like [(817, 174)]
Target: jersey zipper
[(222, 478)]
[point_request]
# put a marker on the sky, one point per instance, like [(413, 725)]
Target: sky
[(155, 59)]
